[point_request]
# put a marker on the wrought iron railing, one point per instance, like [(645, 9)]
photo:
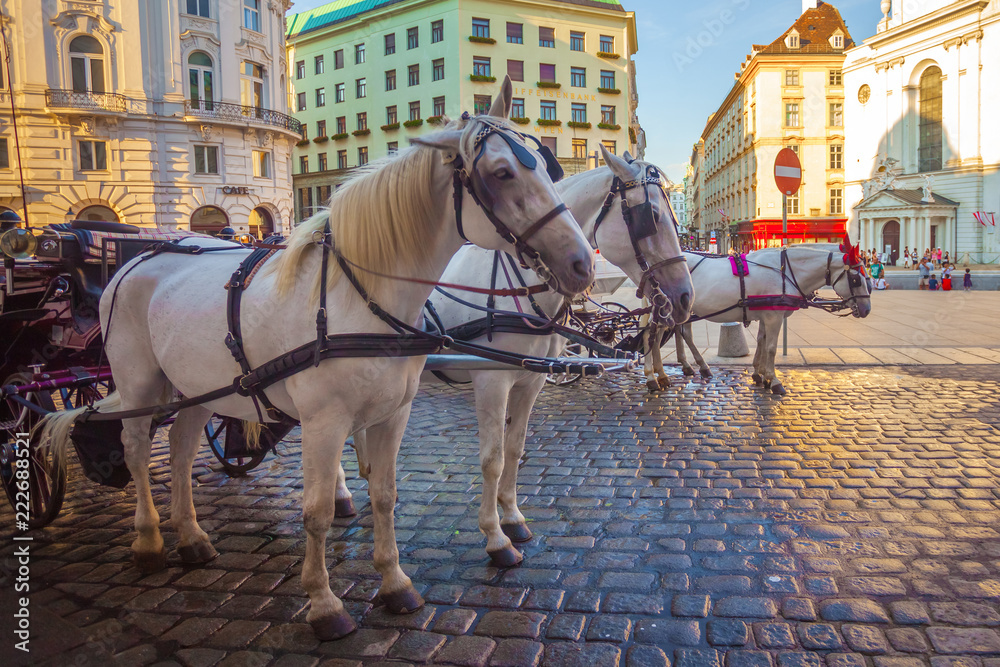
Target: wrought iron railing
[(239, 112), (75, 99)]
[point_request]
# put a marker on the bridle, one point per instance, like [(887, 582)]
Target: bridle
[(642, 223), (855, 273), (469, 179)]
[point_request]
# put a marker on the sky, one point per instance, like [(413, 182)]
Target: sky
[(688, 54)]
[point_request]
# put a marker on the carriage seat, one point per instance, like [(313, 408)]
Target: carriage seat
[(81, 239)]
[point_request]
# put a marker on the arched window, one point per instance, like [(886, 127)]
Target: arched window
[(200, 80), (87, 64), (930, 120)]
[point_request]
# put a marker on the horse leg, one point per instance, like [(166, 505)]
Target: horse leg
[(774, 325), (758, 355), (147, 549), (322, 445), (397, 590), (678, 333), (185, 440), (492, 395), (522, 399), (647, 358), (662, 381), (343, 503), (688, 333)]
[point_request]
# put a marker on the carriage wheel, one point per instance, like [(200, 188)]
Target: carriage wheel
[(86, 395), (46, 486), (563, 379), (219, 430), (614, 327)]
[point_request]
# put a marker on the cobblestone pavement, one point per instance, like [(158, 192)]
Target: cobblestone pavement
[(853, 522)]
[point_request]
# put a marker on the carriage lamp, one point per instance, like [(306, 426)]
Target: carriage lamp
[(18, 244)]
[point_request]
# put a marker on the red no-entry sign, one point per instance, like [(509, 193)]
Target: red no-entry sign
[(787, 171)]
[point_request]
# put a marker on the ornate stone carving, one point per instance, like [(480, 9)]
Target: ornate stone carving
[(885, 177), (927, 194), (87, 125), (205, 129), (264, 138)]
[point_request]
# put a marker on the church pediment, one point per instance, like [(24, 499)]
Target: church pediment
[(910, 199), (883, 199)]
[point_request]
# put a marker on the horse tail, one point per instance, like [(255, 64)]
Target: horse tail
[(251, 432), (54, 429)]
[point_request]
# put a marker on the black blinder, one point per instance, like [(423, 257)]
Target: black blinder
[(552, 166), (642, 219), (520, 151)]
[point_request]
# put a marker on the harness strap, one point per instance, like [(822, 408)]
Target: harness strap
[(545, 219)]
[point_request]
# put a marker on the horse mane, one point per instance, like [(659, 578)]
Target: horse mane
[(383, 218)]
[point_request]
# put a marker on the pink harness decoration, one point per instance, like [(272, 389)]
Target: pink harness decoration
[(739, 265)]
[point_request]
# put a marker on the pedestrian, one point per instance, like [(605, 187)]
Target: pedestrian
[(945, 277), (947, 257), (925, 272), (878, 275), (967, 280), (933, 283), (906, 257)]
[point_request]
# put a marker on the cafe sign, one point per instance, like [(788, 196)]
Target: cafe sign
[(236, 190)]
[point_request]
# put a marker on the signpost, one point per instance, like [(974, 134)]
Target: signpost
[(788, 178)]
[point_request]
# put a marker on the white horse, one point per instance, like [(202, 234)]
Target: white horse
[(809, 267), (504, 398), (168, 327)]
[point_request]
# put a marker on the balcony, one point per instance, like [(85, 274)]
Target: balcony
[(223, 111), (86, 100)]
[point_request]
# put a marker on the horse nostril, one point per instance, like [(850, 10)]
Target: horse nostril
[(582, 268), (686, 300)]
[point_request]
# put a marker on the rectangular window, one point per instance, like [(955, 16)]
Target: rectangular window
[(359, 54), (579, 113), (341, 124), (414, 110), (836, 156), (548, 110), (413, 75), (412, 38), (391, 116), (93, 156), (611, 145), (392, 147), (321, 97), (342, 159), (481, 104), (300, 102), (547, 37), (791, 114), (437, 69), (363, 120), (480, 27), (608, 114), (517, 108), (607, 44), (836, 201), (547, 73), (300, 69), (321, 160), (206, 159), (515, 33), (579, 148), (305, 131), (550, 143), (362, 156), (481, 66), (578, 77), (515, 70), (304, 164), (437, 32), (251, 15), (791, 77), (323, 191), (305, 202), (439, 106), (607, 79), (836, 114), (339, 92), (4, 154), (390, 44), (338, 59), (320, 65), (836, 77), (793, 204), (261, 164), (361, 88), (198, 8), (390, 79), (321, 128), (576, 43)]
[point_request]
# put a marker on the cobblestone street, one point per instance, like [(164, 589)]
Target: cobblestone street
[(853, 522)]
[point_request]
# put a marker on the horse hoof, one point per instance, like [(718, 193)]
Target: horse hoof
[(508, 557), (778, 389), (150, 563), (757, 378), (333, 627), (517, 532), (663, 382), (706, 373), (405, 601), (689, 371), (199, 552), (343, 508), (653, 386)]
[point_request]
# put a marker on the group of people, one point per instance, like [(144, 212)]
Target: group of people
[(931, 261), (934, 257)]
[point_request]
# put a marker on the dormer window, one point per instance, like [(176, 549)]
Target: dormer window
[(837, 40), (792, 41)]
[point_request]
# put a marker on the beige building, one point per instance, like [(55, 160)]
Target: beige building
[(367, 77), (147, 112), (787, 93)]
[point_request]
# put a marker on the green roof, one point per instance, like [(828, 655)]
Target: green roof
[(343, 10)]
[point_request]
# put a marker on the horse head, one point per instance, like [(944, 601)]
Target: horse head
[(858, 288)]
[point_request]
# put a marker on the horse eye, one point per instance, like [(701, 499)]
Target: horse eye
[(503, 175)]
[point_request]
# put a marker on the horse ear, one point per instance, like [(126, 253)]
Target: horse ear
[(501, 105), (449, 142), (618, 166), (627, 157)]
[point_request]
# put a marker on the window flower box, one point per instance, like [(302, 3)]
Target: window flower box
[(362, 133), (609, 126), (320, 140), (435, 120), (520, 120), (609, 91), (413, 123), (390, 127), (302, 142), (609, 56), (482, 40), (582, 126), (548, 123), (482, 78), (338, 137), (548, 84)]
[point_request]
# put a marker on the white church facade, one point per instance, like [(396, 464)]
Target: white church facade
[(922, 151)]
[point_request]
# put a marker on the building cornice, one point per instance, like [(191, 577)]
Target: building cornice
[(926, 22)]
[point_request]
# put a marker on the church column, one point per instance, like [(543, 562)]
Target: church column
[(905, 233)]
